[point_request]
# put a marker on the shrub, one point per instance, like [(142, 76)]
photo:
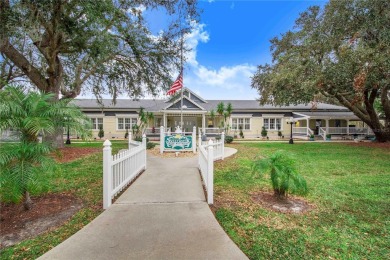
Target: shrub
[(241, 133), (284, 177), (228, 139), (139, 139), (150, 145), (264, 132), (101, 132), (127, 133), (328, 136)]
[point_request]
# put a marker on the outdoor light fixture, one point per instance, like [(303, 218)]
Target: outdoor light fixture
[(67, 135), (291, 122)]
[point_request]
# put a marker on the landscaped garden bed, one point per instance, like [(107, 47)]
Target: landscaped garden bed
[(347, 204), (70, 199)]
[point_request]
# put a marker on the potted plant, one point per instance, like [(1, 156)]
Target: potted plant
[(328, 137), (280, 133), (311, 137), (241, 133)]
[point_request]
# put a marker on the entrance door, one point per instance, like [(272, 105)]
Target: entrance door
[(188, 123), (318, 125)]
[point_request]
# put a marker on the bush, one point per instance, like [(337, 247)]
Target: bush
[(284, 176), (101, 132), (264, 132), (150, 145), (228, 139), (328, 136), (139, 139)]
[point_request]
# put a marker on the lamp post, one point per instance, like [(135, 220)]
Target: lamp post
[(291, 122), (67, 135)]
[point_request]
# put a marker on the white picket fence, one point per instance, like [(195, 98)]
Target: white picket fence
[(210, 151), (120, 169), (206, 167)]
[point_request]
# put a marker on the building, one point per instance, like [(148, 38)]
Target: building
[(247, 116)]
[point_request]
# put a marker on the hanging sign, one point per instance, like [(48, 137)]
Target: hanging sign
[(178, 142)]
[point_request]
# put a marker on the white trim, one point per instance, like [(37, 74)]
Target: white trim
[(241, 115), (124, 117), (184, 97), (273, 115), (238, 129), (282, 121)]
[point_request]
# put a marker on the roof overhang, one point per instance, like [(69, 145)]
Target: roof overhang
[(326, 115)]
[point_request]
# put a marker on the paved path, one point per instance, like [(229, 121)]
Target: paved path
[(163, 215)]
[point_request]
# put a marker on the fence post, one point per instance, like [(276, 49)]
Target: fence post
[(194, 139), (161, 139), (223, 144), (200, 137), (107, 174), (130, 136), (144, 146), (210, 173)]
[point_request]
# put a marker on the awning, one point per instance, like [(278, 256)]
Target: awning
[(326, 115)]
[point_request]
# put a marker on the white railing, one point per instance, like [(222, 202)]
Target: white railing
[(322, 132), (206, 167), (212, 130), (120, 169), (300, 130), (219, 145), (349, 130)]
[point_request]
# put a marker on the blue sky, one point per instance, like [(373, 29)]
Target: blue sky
[(231, 39)]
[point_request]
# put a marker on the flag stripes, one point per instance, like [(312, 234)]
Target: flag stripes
[(178, 84)]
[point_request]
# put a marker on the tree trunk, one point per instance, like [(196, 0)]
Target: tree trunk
[(280, 194), (27, 201)]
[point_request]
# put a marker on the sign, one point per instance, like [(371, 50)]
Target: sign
[(178, 142)]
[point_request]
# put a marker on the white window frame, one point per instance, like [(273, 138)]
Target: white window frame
[(95, 125), (133, 121), (268, 118), (243, 118)]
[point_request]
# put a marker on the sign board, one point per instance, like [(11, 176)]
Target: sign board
[(178, 142)]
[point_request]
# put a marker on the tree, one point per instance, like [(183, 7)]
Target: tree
[(264, 132), (31, 114), (212, 116), (62, 47), (337, 54), (224, 112), (284, 177)]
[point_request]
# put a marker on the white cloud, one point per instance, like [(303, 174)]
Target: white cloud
[(227, 82)]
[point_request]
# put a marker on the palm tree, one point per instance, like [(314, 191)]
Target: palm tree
[(284, 177), (212, 116), (32, 114), (220, 110)]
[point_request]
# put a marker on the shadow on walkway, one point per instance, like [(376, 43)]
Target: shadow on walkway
[(163, 215)]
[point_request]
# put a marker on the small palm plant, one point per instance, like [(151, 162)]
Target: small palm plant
[(31, 114), (284, 177)]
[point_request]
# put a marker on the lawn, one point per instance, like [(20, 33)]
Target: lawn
[(82, 178), (348, 189)]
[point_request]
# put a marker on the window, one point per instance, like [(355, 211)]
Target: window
[(97, 123), (126, 123), (245, 123), (273, 123)]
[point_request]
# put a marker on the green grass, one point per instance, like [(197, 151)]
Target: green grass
[(82, 178), (348, 187)]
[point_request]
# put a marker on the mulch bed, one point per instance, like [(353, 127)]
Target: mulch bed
[(48, 211), (68, 154), (291, 205)]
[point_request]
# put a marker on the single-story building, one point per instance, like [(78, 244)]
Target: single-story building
[(247, 115)]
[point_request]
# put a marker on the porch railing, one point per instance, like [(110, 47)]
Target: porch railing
[(120, 169), (213, 131)]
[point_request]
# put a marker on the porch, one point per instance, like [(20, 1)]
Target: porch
[(340, 125)]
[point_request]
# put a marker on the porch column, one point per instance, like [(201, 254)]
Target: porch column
[(347, 126), (327, 125), (165, 120), (203, 122), (307, 126)]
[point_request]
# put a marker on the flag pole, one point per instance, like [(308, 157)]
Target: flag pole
[(182, 89)]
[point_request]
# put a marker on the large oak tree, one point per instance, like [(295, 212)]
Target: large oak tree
[(65, 47), (339, 54), (62, 46)]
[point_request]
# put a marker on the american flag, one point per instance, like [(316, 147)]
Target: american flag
[(178, 84)]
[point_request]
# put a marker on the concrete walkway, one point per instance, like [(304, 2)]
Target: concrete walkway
[(163, 215)]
